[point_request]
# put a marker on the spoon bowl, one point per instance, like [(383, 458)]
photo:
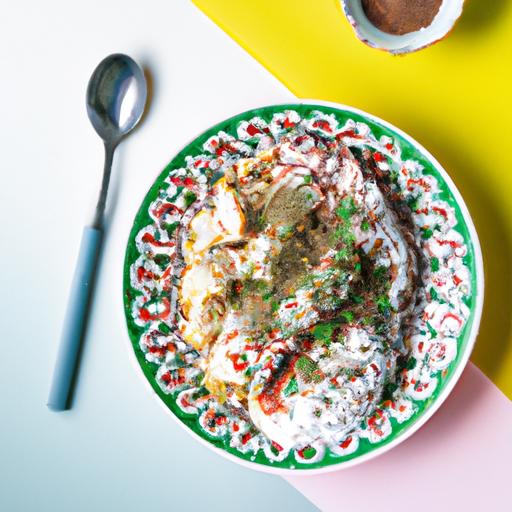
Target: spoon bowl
[(116, 97)]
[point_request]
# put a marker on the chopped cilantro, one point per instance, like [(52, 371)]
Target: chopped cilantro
[(249, 371), (346, 209), (308, 179), (411, 363), (171, 228), (342, 255), (357, 299), (291, 387), (427, 233), (365, 225), (413, 202), (189, 197), (308, 369), (380, 328), (379, 272), (343, 232), (434, 264), (323, 333), (198, 380), (347, 316), (383, 304)]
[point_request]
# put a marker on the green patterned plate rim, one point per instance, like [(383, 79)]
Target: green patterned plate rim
[(135, 302)]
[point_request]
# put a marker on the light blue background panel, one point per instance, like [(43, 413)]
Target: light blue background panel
[(117, 449)]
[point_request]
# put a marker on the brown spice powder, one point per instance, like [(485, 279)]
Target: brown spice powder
[(400, 17)]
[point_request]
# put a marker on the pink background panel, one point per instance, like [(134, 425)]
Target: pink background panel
[(460, 460)]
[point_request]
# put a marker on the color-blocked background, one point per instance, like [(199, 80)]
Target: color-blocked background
[(453, 98), (117, 449)]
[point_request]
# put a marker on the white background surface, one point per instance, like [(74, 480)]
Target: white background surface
[(117, 449)]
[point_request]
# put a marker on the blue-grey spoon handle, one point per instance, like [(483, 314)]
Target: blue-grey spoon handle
[(74, 322)]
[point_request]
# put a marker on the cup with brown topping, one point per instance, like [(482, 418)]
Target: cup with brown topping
[(402, 26)]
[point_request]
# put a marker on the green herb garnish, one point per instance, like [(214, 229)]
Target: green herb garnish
[(347, 316), (346, 209), (356, 299), (383, 304), (380, 272), (323, 333), (291, 387), (433, 332), (411, 363), (171, 228), (308, 370), (426, 233), (189, 197), (413, 202)]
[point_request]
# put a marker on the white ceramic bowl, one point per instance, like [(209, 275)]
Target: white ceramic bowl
[(369, 34)]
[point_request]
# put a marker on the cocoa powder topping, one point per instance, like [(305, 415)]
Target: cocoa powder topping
[(400, 17)]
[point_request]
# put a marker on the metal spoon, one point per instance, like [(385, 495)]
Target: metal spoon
[(116, 97)]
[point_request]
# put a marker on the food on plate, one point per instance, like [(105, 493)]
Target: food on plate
[(298, 278), (301, 287)]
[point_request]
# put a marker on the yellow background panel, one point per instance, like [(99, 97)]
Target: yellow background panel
[(454, 98)]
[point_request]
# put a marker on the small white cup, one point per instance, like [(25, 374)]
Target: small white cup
[(367, 32)]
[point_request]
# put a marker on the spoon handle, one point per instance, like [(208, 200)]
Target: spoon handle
[(74, 322)]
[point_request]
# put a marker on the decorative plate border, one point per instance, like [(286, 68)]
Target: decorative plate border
[(410, 150)]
